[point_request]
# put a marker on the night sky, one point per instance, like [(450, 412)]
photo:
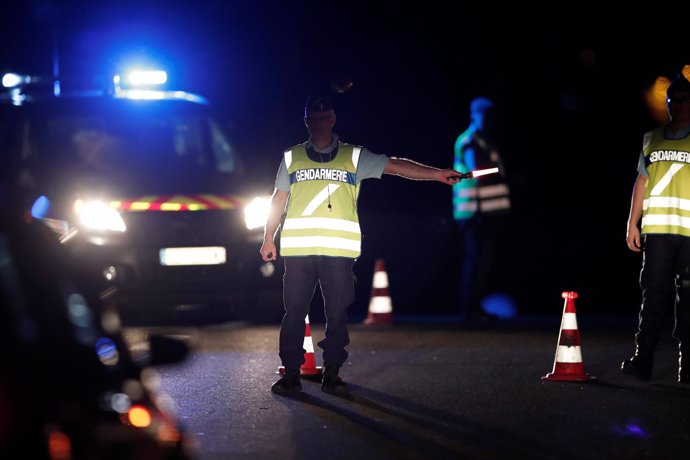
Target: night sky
[(569, 86)]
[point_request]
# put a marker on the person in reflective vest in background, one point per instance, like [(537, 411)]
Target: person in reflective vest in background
[(481, 209), (317, 187)]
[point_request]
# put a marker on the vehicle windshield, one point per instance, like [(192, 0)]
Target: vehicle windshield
[(125, 136)]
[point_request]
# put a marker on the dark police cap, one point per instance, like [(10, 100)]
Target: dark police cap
[(679, 84), (317, 104)]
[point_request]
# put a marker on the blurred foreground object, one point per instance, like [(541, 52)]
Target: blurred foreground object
[(69, 388)]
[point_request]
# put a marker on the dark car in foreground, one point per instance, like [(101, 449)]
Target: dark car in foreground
[(144, 189), (69, 386)]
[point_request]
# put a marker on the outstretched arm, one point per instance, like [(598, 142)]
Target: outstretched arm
[(416, 171)]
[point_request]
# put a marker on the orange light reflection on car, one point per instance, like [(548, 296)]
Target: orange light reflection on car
[(139, 416)]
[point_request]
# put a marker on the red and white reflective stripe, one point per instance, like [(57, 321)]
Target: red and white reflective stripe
[(380, 304), (308, 342), (568, 353), (179, 203), (568, 350), (380, 299)]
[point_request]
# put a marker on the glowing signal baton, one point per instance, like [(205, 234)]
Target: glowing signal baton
[(477, 173)]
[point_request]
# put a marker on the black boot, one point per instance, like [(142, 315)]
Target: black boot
[(331, 383), (683, 364), (289, 383), (641, 364)]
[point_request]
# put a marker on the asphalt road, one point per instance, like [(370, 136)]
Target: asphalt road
[(432, 390)]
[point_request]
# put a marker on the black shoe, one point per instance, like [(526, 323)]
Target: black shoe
[(333, 384), (638, 367), (288, 384)]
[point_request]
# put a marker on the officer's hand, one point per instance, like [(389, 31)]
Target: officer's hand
[(268, 251), (450, 176), (633, 239)]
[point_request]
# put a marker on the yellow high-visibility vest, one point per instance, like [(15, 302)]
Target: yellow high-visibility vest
[(666, 206), (322, 214)]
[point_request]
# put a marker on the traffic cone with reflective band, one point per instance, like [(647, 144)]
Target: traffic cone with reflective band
[(380, 305), (568, 365), (309, 367)]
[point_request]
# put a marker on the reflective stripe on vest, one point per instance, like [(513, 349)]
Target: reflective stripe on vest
[(485, 198)]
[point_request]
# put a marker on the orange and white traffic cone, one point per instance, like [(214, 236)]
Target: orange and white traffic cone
[(567, 366), (309, 368), (380, 305)]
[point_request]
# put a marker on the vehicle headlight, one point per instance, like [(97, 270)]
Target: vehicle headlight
[(256, 212), (98, 215)]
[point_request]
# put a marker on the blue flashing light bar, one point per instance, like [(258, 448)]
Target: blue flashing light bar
[(146, 77), (152, 94), (137, 84)]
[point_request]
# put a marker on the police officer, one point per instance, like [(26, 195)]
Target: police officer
[(317, 186), (481, 209), (660, 196)]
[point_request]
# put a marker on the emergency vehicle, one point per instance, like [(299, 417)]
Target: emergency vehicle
[(147, 192)]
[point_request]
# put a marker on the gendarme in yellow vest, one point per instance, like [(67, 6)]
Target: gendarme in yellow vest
[(666, 206), (490, 195), (322, 215)]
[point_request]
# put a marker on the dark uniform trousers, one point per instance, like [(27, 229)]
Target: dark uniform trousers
[(337, 282), (666, 258), (486, 252)]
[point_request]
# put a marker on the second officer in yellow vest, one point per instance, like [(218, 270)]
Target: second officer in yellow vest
[(659, 226), (317, 187)]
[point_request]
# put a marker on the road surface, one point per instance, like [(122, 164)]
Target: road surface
[(425, 389)]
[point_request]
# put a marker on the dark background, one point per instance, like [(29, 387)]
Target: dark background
[(569, 84)]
